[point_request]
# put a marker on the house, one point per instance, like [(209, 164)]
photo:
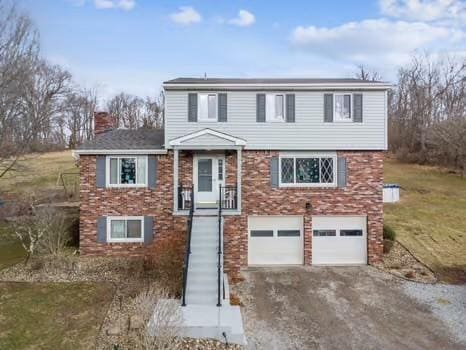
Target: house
[(294, 165)]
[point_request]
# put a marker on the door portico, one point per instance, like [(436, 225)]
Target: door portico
[(209, 171)]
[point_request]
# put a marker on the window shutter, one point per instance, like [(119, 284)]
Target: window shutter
[(192, 107), (102, 229), (274, 171), (328, 108), (357, 108), (260, 108), (100, 171), (222, 107), (148, 229), (342, 172), (290, 108), (152, 171)]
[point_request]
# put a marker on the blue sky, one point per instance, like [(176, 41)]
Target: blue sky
[(134, 45)]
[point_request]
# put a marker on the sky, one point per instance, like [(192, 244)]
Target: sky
[(135, 45)]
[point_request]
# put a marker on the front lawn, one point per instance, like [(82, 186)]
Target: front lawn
[(52, 315), (430, 219)]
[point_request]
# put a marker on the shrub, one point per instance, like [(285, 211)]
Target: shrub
[(389, 233), (57, 234), (166, 265), (387, 246)]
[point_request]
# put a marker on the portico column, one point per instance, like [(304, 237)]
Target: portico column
[(175, 179), (238, 176)]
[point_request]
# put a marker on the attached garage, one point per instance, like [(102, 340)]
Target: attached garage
[(275, 240), (339, 240)]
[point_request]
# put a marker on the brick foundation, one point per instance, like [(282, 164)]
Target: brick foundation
[(362, 196)]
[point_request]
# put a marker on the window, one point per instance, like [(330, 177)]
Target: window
[(261, 233), (343, 107), (275, 108), (288, 233), (351, 233), (127, 171), (208, 107), (125, 229), (307, 170), (220, 169), (324, 233)]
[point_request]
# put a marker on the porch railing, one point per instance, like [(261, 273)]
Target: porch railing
[(228, 197), (185, 197), (188, 247), (220, 249)]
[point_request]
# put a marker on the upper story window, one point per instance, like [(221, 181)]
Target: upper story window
[(275, 108), (343, 107), (207, 107), (126, 171), (307, 170)]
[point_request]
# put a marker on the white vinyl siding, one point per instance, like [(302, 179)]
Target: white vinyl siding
[(308, 132)]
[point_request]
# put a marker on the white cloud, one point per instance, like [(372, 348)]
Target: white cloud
[(186, 15), (126, 5), (377, 39), (425, 10), (244, 19)]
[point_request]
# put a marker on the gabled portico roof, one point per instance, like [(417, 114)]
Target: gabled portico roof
[(209, 139)]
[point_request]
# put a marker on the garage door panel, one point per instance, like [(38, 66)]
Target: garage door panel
[(339, 240), (285, 247)]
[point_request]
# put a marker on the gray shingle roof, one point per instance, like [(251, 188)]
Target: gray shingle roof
[(126, 139), (267, 81)]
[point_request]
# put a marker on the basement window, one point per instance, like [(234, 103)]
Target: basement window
[(125, 229)]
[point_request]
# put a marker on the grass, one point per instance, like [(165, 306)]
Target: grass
[(38, 173), (430, 219), (11, 251), (52, 315)]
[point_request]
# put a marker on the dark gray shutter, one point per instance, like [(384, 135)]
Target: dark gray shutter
[(357, 108), (152, 171), (274, 171), (328, 108), (260, 108), (102, 229), (192, 107), (290, 108), (100, 171), (148, 229), (341, 172), (222, 107)]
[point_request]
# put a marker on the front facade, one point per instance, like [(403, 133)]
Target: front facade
[(295, 164)]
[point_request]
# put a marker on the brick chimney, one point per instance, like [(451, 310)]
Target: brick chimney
[(103, 122)]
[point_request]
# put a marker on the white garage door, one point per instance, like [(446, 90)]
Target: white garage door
[(275, 240), (339, 240)]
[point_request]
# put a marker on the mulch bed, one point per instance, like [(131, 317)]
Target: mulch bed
[(401, 263)]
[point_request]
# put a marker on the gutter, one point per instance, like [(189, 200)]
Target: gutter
[(78, 152)]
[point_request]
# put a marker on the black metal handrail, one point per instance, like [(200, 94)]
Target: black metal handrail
[(219, 301), (188, 247)]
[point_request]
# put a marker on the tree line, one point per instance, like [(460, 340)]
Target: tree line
[(41, 106)]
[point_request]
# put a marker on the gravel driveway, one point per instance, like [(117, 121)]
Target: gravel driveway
[(348, 307)]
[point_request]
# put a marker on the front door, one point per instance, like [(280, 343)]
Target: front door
[(209, 174)]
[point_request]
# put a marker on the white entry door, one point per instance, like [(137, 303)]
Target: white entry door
[(275, 240), (339, 240), (209, 174)]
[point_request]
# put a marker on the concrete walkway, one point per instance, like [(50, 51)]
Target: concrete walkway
[(337, 308)]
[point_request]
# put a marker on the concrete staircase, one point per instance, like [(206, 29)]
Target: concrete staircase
[(202, 282)]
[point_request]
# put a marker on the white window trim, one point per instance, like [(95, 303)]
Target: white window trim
[(273, 120), (332, 155), (107, 172), (339, 120), (207, 119), (124, 240)]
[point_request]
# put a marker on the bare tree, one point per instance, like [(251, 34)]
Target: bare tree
[(365, 74)]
